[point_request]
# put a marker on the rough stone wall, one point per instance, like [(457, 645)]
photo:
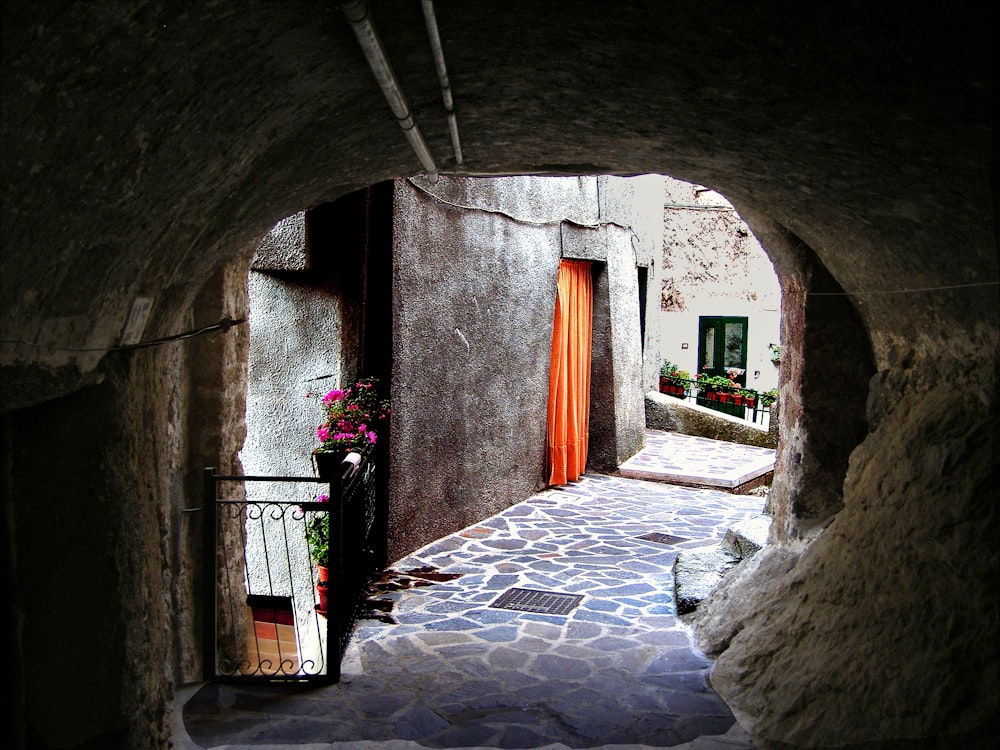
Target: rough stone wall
[(825, 367), (99, 480), (145, 144), (215, 429), (918, 516)]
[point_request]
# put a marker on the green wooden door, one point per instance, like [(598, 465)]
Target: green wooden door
[(722, 344)]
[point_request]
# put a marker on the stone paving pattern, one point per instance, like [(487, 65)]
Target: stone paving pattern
[(453, 672), (686, 459)]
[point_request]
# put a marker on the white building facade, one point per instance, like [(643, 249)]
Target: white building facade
[(720, 300)]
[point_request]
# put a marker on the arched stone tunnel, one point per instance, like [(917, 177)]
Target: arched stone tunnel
[(147, 147)]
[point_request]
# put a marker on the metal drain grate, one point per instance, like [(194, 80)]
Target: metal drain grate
[(539, 602), (660, 538)]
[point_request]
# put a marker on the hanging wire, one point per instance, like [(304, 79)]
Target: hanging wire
[(914, 290), (517, 219), (223, 325)]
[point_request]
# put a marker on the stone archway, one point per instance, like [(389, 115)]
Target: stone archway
[(144, 147)]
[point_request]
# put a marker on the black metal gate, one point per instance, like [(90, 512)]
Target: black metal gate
[(262, 616)]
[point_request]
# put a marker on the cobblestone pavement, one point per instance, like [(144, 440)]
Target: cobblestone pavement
[(437, 665), (669, 457)]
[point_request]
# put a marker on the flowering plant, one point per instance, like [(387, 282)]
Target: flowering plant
[(353, 416), (316, 534)]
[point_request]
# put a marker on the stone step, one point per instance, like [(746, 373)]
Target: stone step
[(746, 537), (697, 572)]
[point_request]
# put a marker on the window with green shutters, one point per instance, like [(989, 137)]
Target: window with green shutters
[(722, 344)]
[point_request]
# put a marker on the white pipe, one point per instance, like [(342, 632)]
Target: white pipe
[(442, 71), (360, 19)]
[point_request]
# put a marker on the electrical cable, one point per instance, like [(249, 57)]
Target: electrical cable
[(223, 325), (519, 220), (914, 290)]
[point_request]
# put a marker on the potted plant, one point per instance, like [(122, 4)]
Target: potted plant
[(768, 397), (352, 418), (318, 539), (749, 397), (667, 370), (724, 390), (679, 382), (716, 386)]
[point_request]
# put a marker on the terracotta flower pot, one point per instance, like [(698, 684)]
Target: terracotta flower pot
[(323, 592)]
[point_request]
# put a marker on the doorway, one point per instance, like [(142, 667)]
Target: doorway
[(722, 347)]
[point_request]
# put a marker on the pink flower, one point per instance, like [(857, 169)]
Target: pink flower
[(332, 396), (323, 433), (371, 438), (322, 498)]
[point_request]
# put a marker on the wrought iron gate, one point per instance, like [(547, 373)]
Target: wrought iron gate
[(262, 620)]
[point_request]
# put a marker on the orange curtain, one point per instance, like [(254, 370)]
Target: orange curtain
[(569, 376)]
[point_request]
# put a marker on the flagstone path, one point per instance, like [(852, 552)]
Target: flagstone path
[(436, 664)]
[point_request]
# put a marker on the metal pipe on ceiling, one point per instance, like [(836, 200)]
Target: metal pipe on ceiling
[(359, 17), (442, 71)]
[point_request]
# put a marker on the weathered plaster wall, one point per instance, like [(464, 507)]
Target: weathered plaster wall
[(295, 335), (305, 332), (712, 264), (472, 340), (471, 355), (626, 349)]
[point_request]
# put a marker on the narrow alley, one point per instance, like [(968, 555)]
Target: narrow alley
[(551, 622)]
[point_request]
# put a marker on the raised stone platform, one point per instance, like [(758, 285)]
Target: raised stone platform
[(699, 462)]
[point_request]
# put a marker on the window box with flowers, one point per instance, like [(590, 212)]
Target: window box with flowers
[(714, 387), (673, 380), (667, 369), (352, 419)]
